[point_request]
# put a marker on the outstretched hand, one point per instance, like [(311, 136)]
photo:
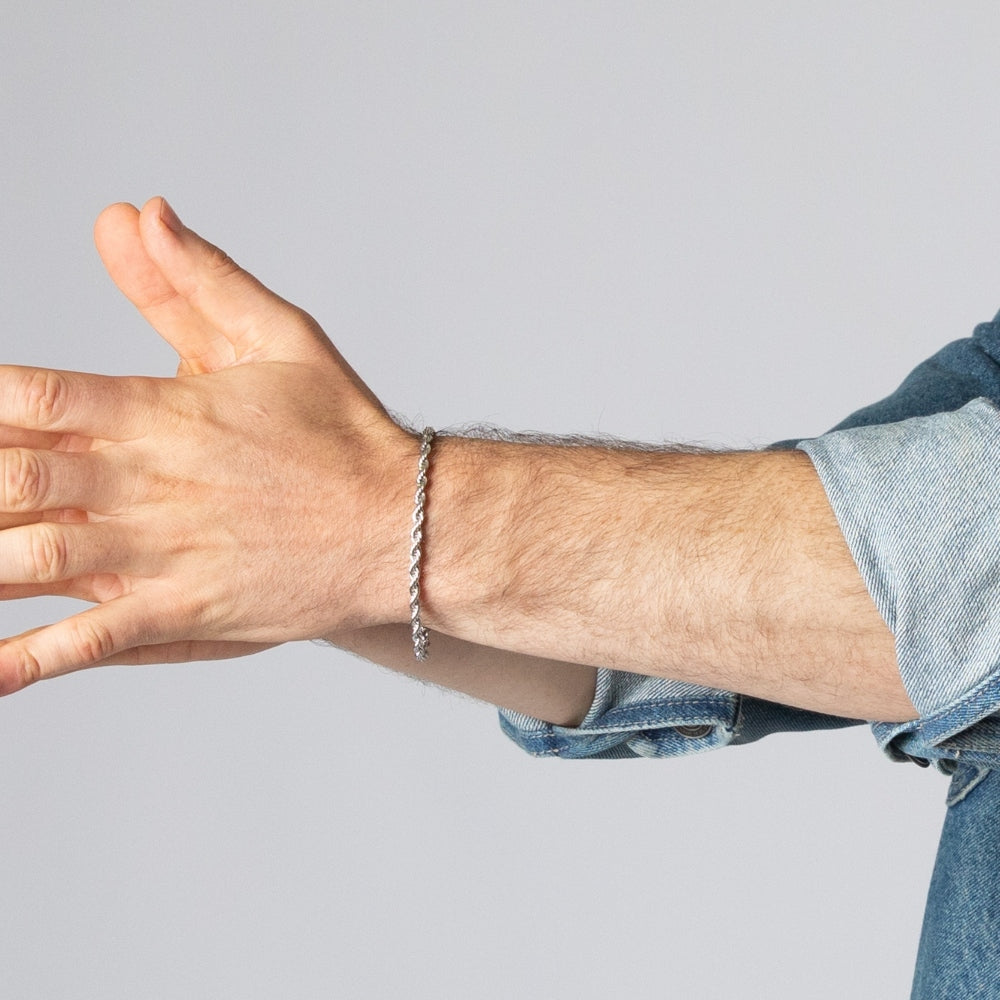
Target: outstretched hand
[(260, 496)]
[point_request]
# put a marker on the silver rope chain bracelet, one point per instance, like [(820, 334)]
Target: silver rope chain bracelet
[(421, 639)]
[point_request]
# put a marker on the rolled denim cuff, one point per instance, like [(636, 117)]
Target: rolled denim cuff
[(633, 716), (918, 502), (637, 716)]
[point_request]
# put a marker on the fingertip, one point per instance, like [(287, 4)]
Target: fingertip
[(159, 212), (169, 217), (151, 207), (112, 217)]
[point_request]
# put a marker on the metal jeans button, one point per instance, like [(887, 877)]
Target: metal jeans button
[(693, 732)]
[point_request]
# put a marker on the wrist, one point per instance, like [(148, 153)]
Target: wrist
[(498, 551), (475, 487), (378, 524)]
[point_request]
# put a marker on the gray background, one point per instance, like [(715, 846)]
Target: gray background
[(715, 222)]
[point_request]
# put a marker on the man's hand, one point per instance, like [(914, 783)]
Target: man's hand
[(206, 516), (264, 494)]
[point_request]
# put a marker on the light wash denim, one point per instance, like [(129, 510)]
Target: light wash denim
[(920, 509), (912, 482)]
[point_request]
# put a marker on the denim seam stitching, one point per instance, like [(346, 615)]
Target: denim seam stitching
[(922, 725)]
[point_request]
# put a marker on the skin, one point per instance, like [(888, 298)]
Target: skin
[(264, 495)]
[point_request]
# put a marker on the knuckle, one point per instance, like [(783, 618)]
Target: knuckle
[(91, 641), (219, 263), (46, 397), (25, 667), (24, 480), (47, 554)]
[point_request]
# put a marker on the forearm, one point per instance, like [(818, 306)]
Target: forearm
[(263, 498), (557, 692), (727, 570)]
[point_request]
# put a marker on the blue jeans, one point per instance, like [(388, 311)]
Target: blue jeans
[(960, 944)]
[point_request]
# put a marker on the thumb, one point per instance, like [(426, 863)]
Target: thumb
[(116, 235), (219, 314)]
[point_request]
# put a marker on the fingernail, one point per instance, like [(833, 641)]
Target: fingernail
[(169, 217)]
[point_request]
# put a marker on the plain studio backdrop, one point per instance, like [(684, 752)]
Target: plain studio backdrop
[(702, 222)]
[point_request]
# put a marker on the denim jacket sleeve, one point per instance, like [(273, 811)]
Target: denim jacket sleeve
[(912, 497), (919, 505)]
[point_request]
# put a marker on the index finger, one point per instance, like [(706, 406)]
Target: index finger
[(112, 408)]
